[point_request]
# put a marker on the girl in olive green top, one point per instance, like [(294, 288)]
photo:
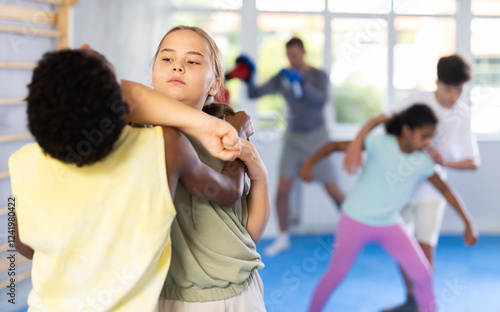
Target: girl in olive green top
[(214, 259)]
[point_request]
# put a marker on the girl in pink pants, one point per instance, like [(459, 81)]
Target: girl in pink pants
[(352, 236), (395, 163)]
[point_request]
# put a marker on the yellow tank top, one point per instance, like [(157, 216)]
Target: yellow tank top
[(101, 233)]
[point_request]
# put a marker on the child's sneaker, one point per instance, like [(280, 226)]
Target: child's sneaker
[(281, 244), (409, 306)]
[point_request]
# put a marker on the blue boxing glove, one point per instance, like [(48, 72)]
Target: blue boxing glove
[(293, 80), (291, 74)]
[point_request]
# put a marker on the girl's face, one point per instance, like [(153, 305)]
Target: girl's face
[(418, 138), (183, 69)]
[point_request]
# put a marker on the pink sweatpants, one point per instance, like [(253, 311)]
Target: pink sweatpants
[(352, 236)]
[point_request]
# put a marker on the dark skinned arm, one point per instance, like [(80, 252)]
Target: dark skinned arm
[(184, 166), (23, 249), (236, 169), (353, 157), (470, 233), (306, 172)]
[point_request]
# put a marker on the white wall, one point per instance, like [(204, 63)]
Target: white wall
[(480, 190), (126, 32)]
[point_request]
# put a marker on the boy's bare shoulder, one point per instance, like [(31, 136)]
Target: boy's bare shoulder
[(170, 133), (174, 139)]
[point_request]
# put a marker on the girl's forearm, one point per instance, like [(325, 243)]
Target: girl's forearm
[(451, 197), (259, 209), (458, 206), (320, 153), (368, 127), (326, 150)]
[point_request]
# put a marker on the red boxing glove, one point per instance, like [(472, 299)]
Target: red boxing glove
[(244, 69)]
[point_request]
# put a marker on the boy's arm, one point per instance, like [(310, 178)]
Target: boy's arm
[(307, 169), (259, 203), (23, 249), (470, 234), (148, 106), (352, 158), (465, 164), (184, 166), (467, 156), (235, 169)]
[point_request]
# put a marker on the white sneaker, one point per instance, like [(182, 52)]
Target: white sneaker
[(280, 244)]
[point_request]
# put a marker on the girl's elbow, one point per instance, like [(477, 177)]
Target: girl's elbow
[(256, 240), (256, 237)]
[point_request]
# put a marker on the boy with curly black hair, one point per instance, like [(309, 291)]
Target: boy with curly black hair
[(76, 115), (94, 195)]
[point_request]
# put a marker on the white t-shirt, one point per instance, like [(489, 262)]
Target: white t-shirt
[(453, 139)]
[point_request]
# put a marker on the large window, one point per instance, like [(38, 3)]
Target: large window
[(425, 7), (485, 7), (215, 4), (360, 6), (419, 43), (375, 51), (291, 5), (485, 93), (359, 68), (223, 25), (274, 30)]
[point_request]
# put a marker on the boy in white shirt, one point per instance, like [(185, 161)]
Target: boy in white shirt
[(454, 146)]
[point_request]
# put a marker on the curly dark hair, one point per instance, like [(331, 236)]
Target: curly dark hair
[(415, 116), (453, 70), (75, 107)]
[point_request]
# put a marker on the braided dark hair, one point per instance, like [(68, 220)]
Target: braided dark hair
[(218, 109), (415, 116)]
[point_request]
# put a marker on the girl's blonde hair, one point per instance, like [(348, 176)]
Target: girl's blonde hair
[(215, 54)]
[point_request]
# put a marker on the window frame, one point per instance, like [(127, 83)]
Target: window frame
[(463, 17)]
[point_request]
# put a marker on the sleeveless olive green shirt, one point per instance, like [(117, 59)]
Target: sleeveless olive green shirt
[(213, 256)]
